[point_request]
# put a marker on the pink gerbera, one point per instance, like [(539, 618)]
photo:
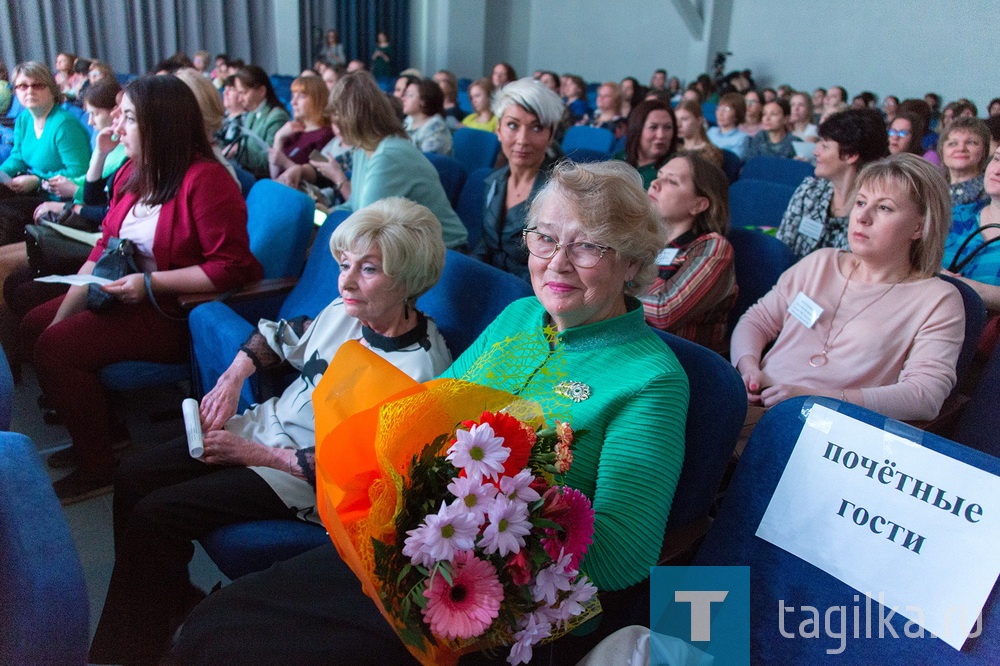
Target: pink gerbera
[(571, 510), (467, 607)]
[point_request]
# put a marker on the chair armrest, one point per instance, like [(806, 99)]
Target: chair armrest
[(253, 290), (681, 543)]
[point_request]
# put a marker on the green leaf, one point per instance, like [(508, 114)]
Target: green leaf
[(546, 523)]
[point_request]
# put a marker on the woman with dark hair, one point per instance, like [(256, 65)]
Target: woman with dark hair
[(423, 105), (307, 131), (817, 214), (632, 93), (905, 133), (890, 107), (382, 57), (696, 282), (650, 139), (993, 108), (385, 161), (729, 115), (333, 49), (774, 139), (576, 99), (48, 142), (264, 116), (187, 219), (502, 74), (752, 123), (451, 112)]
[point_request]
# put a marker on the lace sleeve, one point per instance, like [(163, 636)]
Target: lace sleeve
[(306, 459), (260, 353)]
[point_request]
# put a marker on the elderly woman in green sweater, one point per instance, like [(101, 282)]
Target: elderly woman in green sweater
[(584, 353), (48, 141)]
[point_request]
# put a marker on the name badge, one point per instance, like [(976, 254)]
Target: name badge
[(667, 256), (811, 227), (805, 310)]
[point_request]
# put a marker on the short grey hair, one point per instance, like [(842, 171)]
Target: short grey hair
[(613, 209), (532, 96), (409, 236)]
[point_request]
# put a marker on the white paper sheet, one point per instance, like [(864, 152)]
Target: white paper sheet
[(74, 280), (940, 582)]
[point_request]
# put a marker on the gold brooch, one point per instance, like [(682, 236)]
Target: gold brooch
[(575, 391)]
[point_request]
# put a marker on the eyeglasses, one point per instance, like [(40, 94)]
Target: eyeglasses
[(581, 255), (902, 134), (21, 87)]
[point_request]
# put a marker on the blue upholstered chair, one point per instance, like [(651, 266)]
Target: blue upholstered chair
[(759, 261), (452, 174), (43, 593), (716, 411), (246, 179), (585, 155), (776, 170), (474, 148), (731, 165), (979, 424), (597, 139), (776, 574), (280, 226), (6, 392), (467, 298), (708, 110), (758, 203), (471, 202), (975, 320)]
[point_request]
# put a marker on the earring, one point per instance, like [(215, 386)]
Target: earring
[(630, 284)]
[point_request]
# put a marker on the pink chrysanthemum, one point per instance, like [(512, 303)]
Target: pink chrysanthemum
[(553, 579), (472, 495), (518, 487), (441, 535), (533, 628), (508, 525), (571, 510), (468, 606), (479, 452)]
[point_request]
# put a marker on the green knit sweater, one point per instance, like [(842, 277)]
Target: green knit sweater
[(63, 149), (629, 458)]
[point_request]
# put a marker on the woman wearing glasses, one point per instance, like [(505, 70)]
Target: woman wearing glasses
[(905, 133), (48, 142), (581, 349)]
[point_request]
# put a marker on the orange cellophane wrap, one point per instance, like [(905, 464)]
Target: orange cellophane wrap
[(371, 419)]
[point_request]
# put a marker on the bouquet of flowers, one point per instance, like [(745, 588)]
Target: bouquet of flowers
[(459, 534), (491, 547)]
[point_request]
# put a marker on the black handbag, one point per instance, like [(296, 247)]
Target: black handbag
[(51, 253), (117, 261)]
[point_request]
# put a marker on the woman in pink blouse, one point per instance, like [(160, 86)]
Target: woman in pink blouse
[(873, 326)]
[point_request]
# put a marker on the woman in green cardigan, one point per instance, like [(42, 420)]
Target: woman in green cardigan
[(48, 141), (581, 349)]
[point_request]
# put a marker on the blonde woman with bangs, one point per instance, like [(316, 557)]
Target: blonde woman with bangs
[(308, 130), (884, 332)]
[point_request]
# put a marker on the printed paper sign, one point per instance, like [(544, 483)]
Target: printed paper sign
[(905, 525)]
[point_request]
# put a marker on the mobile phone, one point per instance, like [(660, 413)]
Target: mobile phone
[(316, 156)]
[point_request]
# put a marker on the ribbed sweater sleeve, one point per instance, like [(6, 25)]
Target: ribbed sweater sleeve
[(639, 464)]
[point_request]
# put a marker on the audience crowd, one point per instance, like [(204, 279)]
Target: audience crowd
[(897, 195)]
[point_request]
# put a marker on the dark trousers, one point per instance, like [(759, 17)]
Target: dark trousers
[(164, 500), (16, 211), (69, 356), (311, 610)]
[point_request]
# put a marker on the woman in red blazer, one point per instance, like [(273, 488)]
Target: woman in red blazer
[(185, 214)]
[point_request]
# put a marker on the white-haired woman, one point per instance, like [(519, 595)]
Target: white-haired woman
[(259, 464), (592, 238), (528, 114), (872, 326)]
